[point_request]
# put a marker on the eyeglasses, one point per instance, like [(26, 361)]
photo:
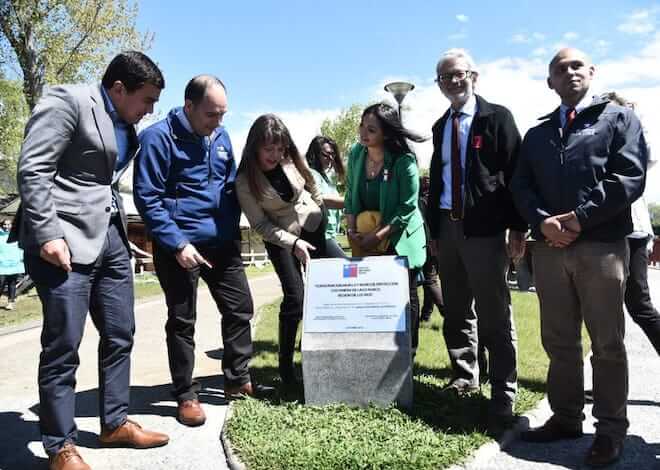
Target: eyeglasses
[(459, 75)]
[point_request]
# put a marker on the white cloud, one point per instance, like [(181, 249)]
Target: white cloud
[(520, 85), (540, 52), (462, 18), (639, 22), (524, 38), (520, 38), (571, 36)]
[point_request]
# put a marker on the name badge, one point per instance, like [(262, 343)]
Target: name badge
[(222, 153), (585, 132)]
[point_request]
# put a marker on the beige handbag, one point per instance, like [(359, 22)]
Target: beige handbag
[(368, 221)]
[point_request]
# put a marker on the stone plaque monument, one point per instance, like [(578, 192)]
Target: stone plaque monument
[(356, 332)]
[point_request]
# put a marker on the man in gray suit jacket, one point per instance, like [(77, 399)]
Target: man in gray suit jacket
[(78, 141)]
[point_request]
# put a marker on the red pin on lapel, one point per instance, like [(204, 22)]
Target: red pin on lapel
[(476, 141)]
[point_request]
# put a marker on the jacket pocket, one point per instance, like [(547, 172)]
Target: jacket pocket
[(67, 207), (412, 228)]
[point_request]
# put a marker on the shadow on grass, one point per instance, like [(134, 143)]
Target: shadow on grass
[(444, 412)]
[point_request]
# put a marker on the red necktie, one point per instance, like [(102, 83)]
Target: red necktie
[(570, 117), (456, 170)]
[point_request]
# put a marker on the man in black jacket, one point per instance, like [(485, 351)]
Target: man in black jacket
[(579, 171), (475, 144)]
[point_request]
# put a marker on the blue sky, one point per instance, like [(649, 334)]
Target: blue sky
[(307, 60)]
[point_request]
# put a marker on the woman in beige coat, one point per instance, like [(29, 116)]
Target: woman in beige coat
[(283, 204)]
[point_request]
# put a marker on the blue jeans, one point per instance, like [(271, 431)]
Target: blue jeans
[(105, 289)]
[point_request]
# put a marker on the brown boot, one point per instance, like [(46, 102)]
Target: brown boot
[(67, 458), (131, 434), (190, 413)]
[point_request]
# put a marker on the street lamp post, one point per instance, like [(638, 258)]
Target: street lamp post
[(399, 90)]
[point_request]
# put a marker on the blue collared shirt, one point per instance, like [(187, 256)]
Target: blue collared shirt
[(121, 132), (465, 119)]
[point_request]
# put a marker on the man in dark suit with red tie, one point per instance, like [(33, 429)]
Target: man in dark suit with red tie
[(475, 144)]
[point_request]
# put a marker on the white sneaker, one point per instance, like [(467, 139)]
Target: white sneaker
[(10, 306)]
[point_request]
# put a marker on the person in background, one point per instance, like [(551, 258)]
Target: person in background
[(327, 167), (280, 199), (11, 264), (640, 241), (382, 191), (431, 283)]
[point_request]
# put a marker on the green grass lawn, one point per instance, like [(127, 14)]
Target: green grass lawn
[(441, 430), (28, 306)]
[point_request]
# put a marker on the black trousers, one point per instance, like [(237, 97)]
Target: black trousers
[(229, 288), (431, 286), (105, 289), (637, 297), (289, 271), (8, 280)]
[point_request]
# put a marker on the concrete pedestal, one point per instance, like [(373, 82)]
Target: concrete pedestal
[(358, 368)]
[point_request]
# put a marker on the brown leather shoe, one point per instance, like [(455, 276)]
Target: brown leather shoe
[(67, 458), (190, 413), (249, 389), (131, 434), (604, 451)]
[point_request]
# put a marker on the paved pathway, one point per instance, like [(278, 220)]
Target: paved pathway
[(151, 402), (642, 447)]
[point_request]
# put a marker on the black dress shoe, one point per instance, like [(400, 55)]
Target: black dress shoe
[(425, 315), (460, 387), (552, 431), (499, 423), (249, 389), (604, 451)]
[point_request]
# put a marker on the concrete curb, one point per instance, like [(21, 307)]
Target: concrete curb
[(486, 452), (233, 462), (8, 330)]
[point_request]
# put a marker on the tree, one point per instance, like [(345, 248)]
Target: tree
[(344, 128), (64, 41), (13, 114)]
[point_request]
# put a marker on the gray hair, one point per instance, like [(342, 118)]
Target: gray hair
[(457, 53)]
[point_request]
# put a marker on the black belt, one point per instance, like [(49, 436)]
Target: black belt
[(447, 213)]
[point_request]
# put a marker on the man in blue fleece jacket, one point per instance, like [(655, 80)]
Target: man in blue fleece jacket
[(579, 171), (184, 190)]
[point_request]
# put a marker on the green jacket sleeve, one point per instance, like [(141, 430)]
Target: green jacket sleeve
[(404, 202)]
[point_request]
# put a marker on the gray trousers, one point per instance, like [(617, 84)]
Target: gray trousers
[(585, 281), (473, 270)]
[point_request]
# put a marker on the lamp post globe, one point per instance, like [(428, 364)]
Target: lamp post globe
[(399, 90)]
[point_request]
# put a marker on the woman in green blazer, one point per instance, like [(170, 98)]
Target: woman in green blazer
[(383, 176)]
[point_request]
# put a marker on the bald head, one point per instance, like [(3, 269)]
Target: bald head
[(568, 52), (569, 74), (198, 86), (206, 104)]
